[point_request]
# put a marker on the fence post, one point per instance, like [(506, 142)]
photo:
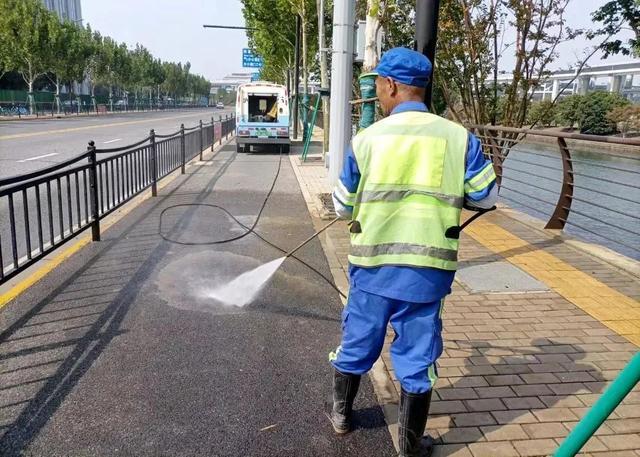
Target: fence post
[(154, 170), (93, 191), (221, 131), (213, 133), (563, 207), (200, 136), (182, 151)]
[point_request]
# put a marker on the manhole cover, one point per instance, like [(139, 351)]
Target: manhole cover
[(498, 277)]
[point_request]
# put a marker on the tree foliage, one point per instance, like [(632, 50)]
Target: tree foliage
[(625, 118), (272, 35), (34, 42), (614, 16), (593, 111), (25, 28), (542, 113), (568, 109)]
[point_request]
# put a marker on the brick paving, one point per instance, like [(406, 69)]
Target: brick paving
[(518, 370)]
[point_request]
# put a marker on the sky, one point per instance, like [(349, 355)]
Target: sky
[(172, 30)]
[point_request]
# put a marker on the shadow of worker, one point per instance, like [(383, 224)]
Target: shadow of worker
[(507, 385)]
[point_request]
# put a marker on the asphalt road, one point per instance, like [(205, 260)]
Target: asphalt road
[(122, 350), (32, 144)]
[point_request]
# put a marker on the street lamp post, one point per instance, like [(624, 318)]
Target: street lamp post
[(426, 36)]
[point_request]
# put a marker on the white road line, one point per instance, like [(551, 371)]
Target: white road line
[(38, 157), (112, 141)]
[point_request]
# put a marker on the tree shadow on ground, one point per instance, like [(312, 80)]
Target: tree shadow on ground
[(62, 355)]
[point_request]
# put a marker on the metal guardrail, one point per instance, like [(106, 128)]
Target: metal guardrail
[(540, 185), (51, 206)]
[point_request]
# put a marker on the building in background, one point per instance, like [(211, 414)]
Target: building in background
[(66, 9), (622, 78)]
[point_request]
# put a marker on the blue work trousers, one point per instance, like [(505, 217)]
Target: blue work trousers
[(415, 348)]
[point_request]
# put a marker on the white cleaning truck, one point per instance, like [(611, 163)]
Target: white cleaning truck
[(262, 116)]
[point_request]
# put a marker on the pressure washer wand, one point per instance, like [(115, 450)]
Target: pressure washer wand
[(290, 253)]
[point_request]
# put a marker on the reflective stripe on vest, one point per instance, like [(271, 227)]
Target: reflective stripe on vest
[(411, 190), (397, 195)]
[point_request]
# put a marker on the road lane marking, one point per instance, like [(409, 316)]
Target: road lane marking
[(112, 141), (92, 127), (38, 157)]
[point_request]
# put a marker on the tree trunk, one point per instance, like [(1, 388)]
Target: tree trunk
[(58, 95), (93, 97), (367, 83), (30, 96), (371, 30)]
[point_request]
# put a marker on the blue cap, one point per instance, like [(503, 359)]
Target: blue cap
[(405, 66)]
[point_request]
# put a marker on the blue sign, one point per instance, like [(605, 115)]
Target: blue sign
[(255, 76), (250, 60)]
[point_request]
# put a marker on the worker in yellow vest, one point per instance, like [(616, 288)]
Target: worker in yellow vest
[(404, 183)]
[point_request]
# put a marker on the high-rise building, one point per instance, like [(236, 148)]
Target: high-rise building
[(66, 9)]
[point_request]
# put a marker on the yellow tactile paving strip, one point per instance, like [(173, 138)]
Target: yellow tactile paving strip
[(614, 309)]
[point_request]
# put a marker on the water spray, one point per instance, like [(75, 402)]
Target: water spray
[(244, 289)]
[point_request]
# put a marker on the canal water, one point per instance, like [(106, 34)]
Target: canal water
[(606, 206)]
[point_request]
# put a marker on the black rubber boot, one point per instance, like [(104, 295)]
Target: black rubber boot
[(412, 419), (345, 388)]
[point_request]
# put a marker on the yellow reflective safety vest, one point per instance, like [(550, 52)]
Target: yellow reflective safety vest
[(411, 190)]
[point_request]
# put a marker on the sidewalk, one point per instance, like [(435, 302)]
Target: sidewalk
[(522, 363)]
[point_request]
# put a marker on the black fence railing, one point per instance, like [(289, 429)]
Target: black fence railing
[(42, 210)]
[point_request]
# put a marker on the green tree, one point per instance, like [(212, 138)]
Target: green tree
[(592, 116), (71, 49), (25, 27), (542, 113), (105, 72), (568, 110), (141, 77), (614, 16), (272, 35), (94, 42), (157, 76)]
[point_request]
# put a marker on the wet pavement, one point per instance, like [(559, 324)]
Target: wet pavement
[(123, 351)]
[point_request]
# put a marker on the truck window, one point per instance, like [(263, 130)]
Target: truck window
[(263, 108)]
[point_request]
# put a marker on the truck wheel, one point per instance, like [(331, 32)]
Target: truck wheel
[(239, 148), (284, 149)]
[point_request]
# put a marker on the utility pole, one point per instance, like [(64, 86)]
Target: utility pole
[(296, 77), (426, 36), (344, 12), (324, 77)]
